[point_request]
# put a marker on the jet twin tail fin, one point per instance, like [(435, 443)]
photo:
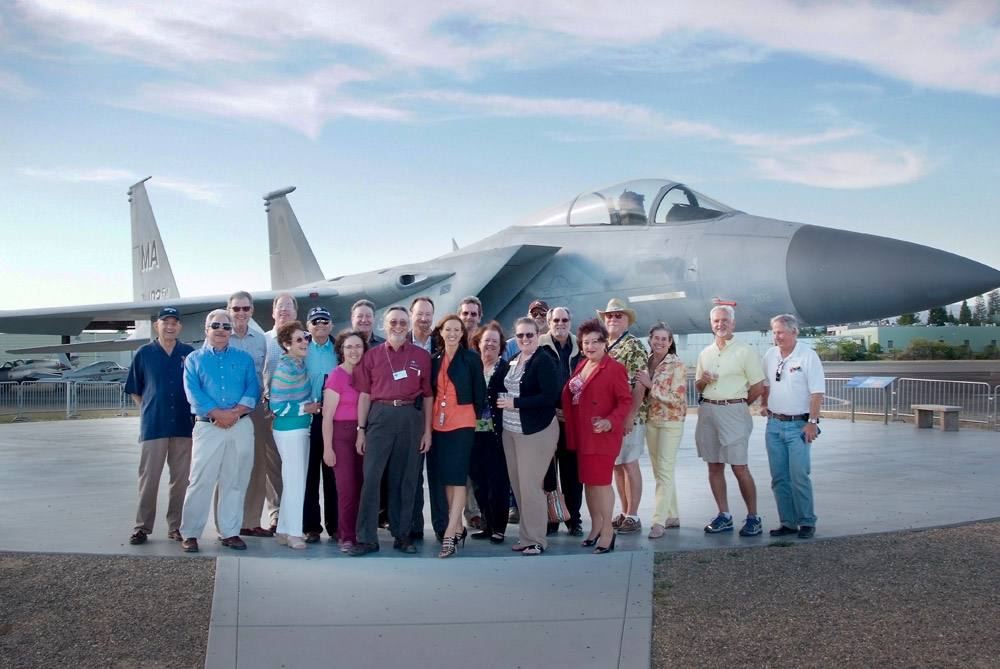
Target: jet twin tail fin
[(292, 260), (152, 278)]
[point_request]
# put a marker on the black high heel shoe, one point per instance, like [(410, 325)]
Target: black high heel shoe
[(587, 543), (601, 550), (448, 547), (460, 538)]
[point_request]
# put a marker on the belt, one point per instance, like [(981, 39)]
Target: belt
[(396, 403), (786, 418), (206, 419), (724, 402)]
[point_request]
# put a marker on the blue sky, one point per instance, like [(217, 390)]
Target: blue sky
[(406, 124)]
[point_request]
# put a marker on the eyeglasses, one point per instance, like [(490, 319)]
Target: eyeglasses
[(617, 315), (777, 372), (239, 309), (299, 340), (216, 325), (560, 320), (525, 335), (398, 323), (321, 321)]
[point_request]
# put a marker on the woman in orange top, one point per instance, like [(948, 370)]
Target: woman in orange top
[(459, 398), (595, 401)]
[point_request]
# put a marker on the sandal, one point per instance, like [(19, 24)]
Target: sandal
[(496, 538), (518, 547), (533, 549)]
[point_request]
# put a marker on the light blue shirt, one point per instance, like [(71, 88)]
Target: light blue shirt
[(320, 361), (274, 353), (511, 350), (220, 380), (254, 343)]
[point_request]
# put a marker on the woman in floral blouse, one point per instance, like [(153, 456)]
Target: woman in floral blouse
[(665, 379)]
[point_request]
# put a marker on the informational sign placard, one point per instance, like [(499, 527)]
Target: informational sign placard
[(870, 382)]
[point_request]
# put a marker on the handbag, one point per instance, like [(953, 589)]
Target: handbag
[(557, 505)]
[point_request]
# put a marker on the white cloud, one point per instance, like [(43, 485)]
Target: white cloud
[(195, 191), (953, 46), (14, 87), (844, 169), (303, 104)]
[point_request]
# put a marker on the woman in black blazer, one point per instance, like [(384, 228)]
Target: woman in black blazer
[(530, 432), (459, 398), (489, 466)]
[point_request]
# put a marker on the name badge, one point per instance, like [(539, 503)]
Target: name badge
[(399, 376)]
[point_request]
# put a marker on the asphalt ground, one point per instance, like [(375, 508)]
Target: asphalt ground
[(926, 598), (102, 612)]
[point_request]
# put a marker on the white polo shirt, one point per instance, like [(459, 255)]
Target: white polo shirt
[(801, 376)]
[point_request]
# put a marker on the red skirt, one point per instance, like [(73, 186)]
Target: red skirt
[(596, 469)]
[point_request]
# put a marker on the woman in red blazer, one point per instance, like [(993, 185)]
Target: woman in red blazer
[(595, 402)]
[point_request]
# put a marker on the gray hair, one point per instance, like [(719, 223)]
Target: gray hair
[(569, 314), (723, 307), (362, 303), (240, 295), (214, 313), (787, 321)]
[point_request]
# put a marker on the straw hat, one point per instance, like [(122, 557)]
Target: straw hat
[(614, 304)]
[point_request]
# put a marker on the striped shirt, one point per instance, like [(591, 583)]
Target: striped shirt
[(290, 389)]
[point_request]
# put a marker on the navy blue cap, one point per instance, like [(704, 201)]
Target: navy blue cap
[(318, 312), (169, 312)]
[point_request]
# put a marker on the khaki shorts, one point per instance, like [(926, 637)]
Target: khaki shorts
[(723, 433), (632, 445)]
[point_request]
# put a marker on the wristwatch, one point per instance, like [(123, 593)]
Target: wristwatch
[(362, 428), (814, 421)]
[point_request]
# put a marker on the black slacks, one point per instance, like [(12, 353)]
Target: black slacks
[(490, 483), (311, 519)]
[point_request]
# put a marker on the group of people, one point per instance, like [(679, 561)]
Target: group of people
[(339, 430)]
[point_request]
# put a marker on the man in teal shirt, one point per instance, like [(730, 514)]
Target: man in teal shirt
[(320, 361)]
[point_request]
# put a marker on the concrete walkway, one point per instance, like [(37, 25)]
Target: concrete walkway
[(69, 486)]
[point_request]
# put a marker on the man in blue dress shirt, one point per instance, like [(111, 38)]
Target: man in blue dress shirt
[(156, 384), (221, 384), (319, 363)]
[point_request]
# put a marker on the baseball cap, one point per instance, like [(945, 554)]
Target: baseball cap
[(318, 312), (168, 312)]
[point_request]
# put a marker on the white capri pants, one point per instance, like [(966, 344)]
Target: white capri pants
[(293, 446)]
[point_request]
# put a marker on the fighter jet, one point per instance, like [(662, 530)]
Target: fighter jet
[(671, 252)]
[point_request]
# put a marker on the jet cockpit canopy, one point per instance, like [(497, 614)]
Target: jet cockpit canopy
[(638, 202)]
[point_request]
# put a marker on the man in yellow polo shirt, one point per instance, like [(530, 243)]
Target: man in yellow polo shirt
[(729, 379)]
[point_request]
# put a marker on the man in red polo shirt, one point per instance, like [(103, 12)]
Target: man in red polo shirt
[(394, 429)]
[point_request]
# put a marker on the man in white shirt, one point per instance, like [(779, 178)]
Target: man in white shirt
[(793, 392)]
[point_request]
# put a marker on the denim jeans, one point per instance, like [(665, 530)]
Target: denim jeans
[(788, 456)]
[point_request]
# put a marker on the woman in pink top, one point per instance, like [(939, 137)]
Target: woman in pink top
[(340, 430)]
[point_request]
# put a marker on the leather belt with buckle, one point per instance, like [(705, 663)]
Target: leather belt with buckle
[(206, 419), (724, 402), (786, 418), (396, 403)]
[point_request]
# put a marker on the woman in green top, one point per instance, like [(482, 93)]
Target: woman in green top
[(293, 409)]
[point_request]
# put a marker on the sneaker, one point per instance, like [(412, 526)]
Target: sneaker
[(346, 546), (783, 531), (807, 532), (138, 537), (617, 522), (752, 526), (720, 524), (630, 525)]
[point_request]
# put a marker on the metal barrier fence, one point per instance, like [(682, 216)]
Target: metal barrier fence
[(974, 397), (66, 397), (996, 408)]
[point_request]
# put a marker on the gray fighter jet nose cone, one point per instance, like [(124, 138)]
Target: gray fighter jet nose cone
[(835, 276)]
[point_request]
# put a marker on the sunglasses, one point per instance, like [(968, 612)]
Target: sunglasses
[(525, 335), (538, 313), (225, 326), (560, 320), (239, 309), (616, 315), (321, 321), (777, 372), (299, 340)]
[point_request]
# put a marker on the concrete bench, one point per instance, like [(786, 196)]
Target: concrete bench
[(949, 415)]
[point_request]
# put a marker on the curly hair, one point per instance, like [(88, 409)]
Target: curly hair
[(483, 329), (590, 327), (344, 335), (285, 332)]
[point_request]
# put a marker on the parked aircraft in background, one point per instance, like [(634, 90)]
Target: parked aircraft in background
[(29, 370), (668, 250)]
